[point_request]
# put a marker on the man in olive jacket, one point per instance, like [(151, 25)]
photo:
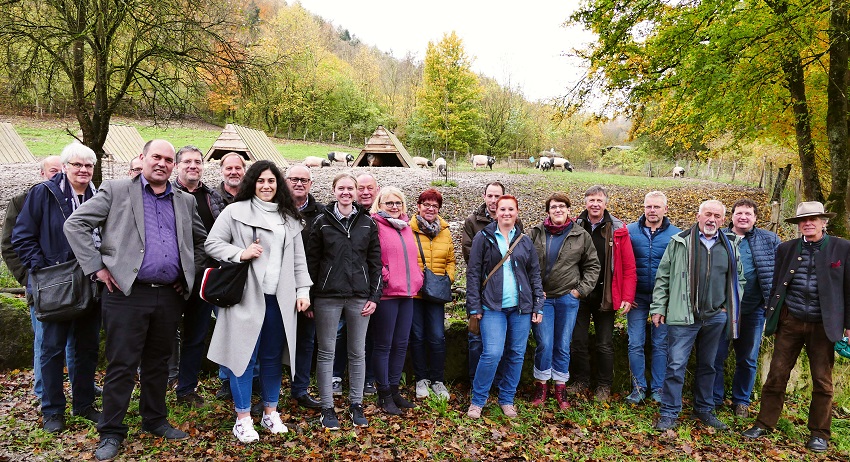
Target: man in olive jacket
[(697, 293), (809, 306)]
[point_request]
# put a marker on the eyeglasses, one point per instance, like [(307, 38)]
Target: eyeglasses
[(393, 204), (80, 166), (295, 180), (136, 170), (430, 206)]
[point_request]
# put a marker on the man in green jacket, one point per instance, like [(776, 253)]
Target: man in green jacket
[(697, 293)]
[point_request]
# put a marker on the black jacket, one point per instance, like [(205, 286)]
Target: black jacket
[(344, 262)]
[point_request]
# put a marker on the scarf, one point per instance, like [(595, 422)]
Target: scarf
[(397, 224), (429, 229), (552, 228)]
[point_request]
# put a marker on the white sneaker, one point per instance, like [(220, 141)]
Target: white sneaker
[(273, 423), (422, 390), (244, 430), (336, 386), (440, 390)]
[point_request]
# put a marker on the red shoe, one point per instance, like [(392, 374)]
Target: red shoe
[(561, 396), (539, 394)]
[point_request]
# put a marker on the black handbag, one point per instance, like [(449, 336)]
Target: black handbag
[(224, 286), (437, 289), (61, 292)]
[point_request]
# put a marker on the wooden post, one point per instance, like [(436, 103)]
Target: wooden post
[(798, 194), (774, 216), (761, 176), (781, 180), (734, 168), (707, 173)]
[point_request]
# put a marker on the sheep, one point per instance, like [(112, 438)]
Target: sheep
[(678, 172), (422, 162), (564, 164), (440, 165), (313, 161), (482, 160), (339, 156)]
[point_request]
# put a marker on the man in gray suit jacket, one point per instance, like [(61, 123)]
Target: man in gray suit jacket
[(152, 242)]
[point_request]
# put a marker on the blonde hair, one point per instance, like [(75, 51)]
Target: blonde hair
[(389, 191)]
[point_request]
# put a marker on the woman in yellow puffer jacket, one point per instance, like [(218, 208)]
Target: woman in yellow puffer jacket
[(427, 334)]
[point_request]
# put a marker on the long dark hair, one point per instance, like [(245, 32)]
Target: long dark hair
[(248, 187)]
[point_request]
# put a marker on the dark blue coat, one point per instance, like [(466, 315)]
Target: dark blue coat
[(37, 236), (484, 256), (648, 250), (763, 245)]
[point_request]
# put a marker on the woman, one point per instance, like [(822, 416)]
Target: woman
[(344, 257), (505, 293), (262, 226), (402, 279), (434, 240), (569, 269)]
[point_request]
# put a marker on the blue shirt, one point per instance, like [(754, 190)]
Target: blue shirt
[(510, 294), (161, 263)]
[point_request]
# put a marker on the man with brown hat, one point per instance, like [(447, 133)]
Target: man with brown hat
[(809, 306)]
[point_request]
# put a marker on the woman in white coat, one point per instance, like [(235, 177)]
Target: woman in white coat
[(263, 325)]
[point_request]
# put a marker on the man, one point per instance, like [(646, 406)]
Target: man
[(196, 316), (650, 236), (757, 248), (135, 167), (474, 223), (153, 242), (48, 167), (697, 294), (232, 171), (809, 307), (367, 192), (39, 243), (615, 290), (299, 180)]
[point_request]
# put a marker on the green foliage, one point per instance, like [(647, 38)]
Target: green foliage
[(448, 103), (449, 183)]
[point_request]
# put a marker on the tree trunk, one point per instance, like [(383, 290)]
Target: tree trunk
[(795, 80), (836, 115)]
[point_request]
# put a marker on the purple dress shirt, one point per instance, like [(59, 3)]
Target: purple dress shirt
[(161, 263)]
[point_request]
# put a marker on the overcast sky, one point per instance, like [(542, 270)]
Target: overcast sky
[(521, 42)]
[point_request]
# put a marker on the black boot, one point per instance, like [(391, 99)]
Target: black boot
[(386, 402), (399, 400)]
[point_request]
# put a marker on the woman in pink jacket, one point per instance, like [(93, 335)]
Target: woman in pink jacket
[(402, 279)]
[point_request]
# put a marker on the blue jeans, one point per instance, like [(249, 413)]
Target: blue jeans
[(196, 322), (305, 343), (428, 340), (84, 333), (746, 359), (681, 340), (504, 336), (553, 336), (268, 350), (637, 327)]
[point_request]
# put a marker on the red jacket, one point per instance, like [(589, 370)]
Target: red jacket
[(624, 278)]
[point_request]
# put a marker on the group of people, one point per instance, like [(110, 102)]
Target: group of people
[(344, 279)]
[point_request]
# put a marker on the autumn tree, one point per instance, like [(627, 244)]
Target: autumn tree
[(448, 116), (699, 70), (105, 51)]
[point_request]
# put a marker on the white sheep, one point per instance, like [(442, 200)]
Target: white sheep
[(313, 161), (422, 162)]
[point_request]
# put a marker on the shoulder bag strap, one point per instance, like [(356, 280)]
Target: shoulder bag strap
[(421, 253), (502, 261)]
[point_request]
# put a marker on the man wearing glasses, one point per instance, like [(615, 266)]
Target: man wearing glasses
[(135, 167), (299, 181), (196, 316), (38, 240)]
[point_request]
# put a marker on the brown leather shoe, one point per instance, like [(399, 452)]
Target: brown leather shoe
[(561, 396), (540, 390)]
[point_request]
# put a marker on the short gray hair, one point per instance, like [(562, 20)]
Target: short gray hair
[(79, 151), (309, 173), (712, 202), (597, 189), (185, 149), (657, 194)]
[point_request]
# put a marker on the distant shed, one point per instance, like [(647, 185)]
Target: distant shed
[(384, 150), (12, 147), (250, 143), (123, 143)]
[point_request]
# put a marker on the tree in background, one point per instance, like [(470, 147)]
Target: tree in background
[(106, 52), (755, 70), (447, 110)]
